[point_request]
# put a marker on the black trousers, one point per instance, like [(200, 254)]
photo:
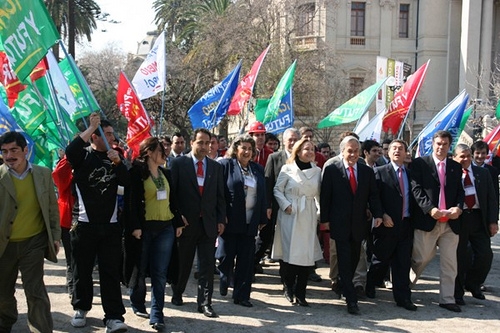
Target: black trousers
[(295, 278), (392, 251), (188, 243), (348, 258), (104, 242), (473, 262)]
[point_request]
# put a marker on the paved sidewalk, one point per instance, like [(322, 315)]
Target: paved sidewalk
[(272, 313)]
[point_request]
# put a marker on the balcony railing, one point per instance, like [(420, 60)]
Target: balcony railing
[(306, 42), (357, 40)]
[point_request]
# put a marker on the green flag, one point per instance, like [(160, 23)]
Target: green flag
[(497, 113), (28, 110), (465, 117), (353, 109), (281, 90), (27, 32), (79, 91)]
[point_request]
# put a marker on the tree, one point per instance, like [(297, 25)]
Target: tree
[(85, 12), (101, 70)]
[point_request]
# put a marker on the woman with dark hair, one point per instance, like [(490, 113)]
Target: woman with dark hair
[(246, 213), (149, 232), (295, 240)]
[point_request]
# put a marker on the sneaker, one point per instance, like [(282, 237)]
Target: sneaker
[(79, 318), (115, 326)]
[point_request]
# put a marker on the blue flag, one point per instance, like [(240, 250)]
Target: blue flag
[(8, 124), (283, 120), (448, 119), (212, 107)]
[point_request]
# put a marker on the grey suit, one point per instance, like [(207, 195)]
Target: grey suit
[(203, 213)]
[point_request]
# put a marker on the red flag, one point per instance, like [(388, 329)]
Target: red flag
[(9, 79), (245, 88), (40, 70), (130, 106), (403, 100), (492, 140)]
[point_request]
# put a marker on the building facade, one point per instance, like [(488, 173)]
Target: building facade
[(460, 37)]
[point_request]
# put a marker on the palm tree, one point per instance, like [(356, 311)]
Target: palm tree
[(80, 25), (184, 18)]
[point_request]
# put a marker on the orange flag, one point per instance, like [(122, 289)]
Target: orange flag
[(131, 107)]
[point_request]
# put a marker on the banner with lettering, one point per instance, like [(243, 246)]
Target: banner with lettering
[(27, 32), (150, 77), (283, 87), (285, 117), (131, 107), (8, 78), (211, 108)]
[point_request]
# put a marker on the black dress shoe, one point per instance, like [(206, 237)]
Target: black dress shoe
[(246, 304), (301, 302), (207, 311), (289, 294), (459, 301), (160, 327), (315, 277), (142, 314), (477, 293), (258, 269), (177, 301), (352, 308), (408, 305), (223, 285), (370, 292), (451, 307)]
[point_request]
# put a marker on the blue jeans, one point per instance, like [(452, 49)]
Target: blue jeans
[(155, 258)]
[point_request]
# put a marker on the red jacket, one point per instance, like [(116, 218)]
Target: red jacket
[(63, 178), (262, 156)]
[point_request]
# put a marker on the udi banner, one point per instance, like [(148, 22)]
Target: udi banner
[(8, 78), (245, 88), (130, 106), (150, 77)]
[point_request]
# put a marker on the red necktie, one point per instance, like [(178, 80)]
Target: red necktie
[(402, 188), (352, 180), (199, 174), (470, 200)]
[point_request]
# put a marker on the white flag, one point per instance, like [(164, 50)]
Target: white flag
[(63, 92), (372, 130), (150, 77)]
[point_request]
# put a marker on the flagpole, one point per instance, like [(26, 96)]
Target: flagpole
[(163, 92)]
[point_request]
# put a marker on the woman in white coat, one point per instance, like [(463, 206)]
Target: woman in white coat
[(295, 240)]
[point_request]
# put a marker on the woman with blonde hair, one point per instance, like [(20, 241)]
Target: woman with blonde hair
[(295, 240)]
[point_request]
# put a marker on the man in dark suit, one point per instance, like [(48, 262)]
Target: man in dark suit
[(198, 190), (480, 151), (347, 188), (271, 172), (479, 223), (437, 188), (392, 240)]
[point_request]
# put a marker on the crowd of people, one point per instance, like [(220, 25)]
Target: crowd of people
[(372, 212)]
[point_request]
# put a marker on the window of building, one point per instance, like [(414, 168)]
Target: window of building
[(305, 19), (355, 85), (404, 18), (358, 18)]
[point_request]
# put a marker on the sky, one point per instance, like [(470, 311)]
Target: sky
[(135, 19)]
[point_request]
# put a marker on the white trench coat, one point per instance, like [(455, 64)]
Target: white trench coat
[(295, 238)]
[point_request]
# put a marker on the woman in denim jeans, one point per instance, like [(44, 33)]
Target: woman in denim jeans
[(149, 234)]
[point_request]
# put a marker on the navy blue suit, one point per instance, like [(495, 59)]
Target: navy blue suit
[(238, 240)]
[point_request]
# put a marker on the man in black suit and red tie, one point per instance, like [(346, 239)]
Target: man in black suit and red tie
[(392, 240), (437, 188), (479, 223), (198, 192), (348, 188)]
